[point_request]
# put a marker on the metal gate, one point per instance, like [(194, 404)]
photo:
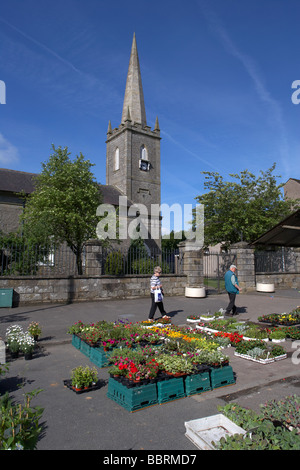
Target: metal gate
[(215, 266)]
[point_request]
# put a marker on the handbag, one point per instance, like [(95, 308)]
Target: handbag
[(158, 296)]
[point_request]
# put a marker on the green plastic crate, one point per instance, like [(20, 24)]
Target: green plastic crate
[(221, 377), (170, 389), (6, 297), (76, 341), (99, 357), (85, 348), (132, 399), (197, 383)]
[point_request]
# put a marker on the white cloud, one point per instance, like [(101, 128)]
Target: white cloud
[(9, 154)]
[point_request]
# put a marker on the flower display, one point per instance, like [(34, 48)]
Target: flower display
[(291, 318), (26, 342), (34, 329), (234, 338)]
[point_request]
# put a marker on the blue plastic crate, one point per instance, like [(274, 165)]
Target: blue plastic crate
[(171, 389), (197, 383), (132, 399)]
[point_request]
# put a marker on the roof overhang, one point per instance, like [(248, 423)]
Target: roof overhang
[(286, 233)]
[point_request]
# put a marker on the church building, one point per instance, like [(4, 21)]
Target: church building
[(132, 166)]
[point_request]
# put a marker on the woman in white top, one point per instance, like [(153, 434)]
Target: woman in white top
[(156, 284)]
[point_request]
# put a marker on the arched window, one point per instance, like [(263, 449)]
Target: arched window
[(117, 159), (143, 153)]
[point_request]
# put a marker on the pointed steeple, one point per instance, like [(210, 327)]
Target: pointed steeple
[(109, 129), (134, 96)]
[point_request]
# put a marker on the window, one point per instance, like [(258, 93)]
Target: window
[(144, 163), (117, 159), (143, 153)]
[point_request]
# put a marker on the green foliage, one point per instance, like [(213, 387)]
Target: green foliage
[(265, 431), (243, 208), (63, 206), (19, 425), (147, 265), (171, 241), (286, 411), (140, 262), (114, 263), (21, 256), (83, 376)]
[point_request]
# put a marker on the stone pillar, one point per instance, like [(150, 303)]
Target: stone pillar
[(93, 257), (245, 263), (2, 352), (191, 256)]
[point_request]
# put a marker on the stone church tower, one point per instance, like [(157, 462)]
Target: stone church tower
[(133, 152)]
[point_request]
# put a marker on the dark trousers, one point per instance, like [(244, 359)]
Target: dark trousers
[(154, 306), (231, 305)]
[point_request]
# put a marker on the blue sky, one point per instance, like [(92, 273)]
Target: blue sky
[(217, 73)]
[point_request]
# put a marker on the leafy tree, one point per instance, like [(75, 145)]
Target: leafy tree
[(171, 241), (63, 206), (244, 208)]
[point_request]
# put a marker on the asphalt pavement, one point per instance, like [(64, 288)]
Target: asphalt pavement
[(92, 421)]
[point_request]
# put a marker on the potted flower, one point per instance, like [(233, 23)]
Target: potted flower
[(209, 317), (277, 336), (13, 335), (90, 377), (217, 359), (193, 319), (278, 352), (116, 371), (175, 365), (35, 330), (27, 344), (254, 332), (14, 347), (76, 328), (83, 377), (77, 378)]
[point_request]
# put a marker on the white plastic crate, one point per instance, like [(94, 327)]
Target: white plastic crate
[(202, 432)]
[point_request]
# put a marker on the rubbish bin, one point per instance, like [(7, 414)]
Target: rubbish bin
[(6, 297)]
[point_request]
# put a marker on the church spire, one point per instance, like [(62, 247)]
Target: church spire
[(134, 96)]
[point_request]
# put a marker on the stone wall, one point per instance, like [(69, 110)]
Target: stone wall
[(28, 289), (280, 280)]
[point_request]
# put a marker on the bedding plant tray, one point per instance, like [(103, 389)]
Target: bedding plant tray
[(68, 383)]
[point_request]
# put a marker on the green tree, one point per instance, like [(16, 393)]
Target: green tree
[(171, 241), (244, 208), (63, 206)]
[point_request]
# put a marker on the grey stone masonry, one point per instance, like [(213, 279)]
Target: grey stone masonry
[(2, 352), (245, 263), (32, 290), (191, 256), (93, 257)]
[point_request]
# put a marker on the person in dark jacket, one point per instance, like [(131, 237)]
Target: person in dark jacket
[(232, 288)]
